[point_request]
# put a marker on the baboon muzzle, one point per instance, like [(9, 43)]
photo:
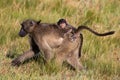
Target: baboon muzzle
[(22, 33)]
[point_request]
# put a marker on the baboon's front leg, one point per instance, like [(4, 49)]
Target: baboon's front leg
[(47, 54), (46, 50), (20, 59)]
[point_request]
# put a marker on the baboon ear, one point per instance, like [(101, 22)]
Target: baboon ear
[(32, 23), (38, 22), (21, 24)]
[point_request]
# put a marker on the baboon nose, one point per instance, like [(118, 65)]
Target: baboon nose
[(22, 33)]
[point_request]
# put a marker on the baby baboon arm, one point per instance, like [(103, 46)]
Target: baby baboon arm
[(25, 56)]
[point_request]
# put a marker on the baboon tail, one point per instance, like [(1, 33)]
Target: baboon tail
[(96, 33)]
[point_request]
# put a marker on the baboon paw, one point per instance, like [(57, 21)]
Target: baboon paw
[(15, 62), (73, 38)]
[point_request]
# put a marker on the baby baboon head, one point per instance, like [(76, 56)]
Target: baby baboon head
[(28, 26)]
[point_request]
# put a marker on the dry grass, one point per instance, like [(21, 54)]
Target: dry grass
[(100, 55)]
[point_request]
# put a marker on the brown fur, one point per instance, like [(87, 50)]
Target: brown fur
[(47, 37)]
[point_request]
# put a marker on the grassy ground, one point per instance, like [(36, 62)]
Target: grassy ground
[(100, 55)]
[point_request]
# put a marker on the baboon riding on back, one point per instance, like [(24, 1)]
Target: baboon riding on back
[(45, 37)]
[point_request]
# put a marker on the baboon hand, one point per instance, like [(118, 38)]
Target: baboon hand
[(16, 62)]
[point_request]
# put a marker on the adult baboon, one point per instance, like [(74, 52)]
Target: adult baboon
[(43, 36), (46, 37)]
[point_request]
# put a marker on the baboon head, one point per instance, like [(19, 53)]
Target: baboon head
[(28, 26), (62, 23)]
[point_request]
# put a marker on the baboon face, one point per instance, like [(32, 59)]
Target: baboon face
[(62, 23), (27, 27)]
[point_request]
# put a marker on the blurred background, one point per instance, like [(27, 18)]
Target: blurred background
[(100, 55)]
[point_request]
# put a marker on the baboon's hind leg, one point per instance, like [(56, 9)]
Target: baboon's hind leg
[(59, 59), (74, 62)]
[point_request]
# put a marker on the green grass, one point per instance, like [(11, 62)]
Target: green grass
[(100, 55)]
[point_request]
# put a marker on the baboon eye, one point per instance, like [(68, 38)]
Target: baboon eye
[(31, 23)]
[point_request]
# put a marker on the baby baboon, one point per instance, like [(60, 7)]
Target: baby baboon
[(69, 28), (46, 37)]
